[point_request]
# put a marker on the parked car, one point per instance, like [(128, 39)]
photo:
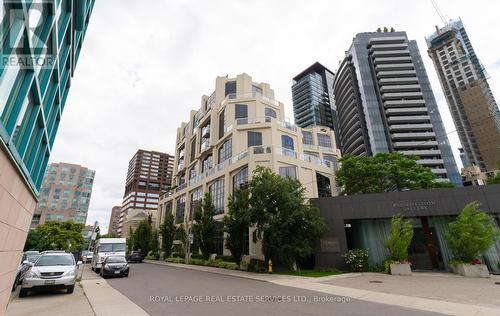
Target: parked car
[(24, 267), (54, 270), (135, 256), (114, 266), (29, 253), (86, 256)]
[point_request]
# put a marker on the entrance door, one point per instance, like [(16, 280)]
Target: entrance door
[(424, 250)]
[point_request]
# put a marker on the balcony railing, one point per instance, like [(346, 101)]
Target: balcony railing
[(254, 150), (317, 148), (205, 144), (265, 119), (232, 96)]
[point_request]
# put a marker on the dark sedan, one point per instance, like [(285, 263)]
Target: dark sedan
[(114, 266), (135, 256)]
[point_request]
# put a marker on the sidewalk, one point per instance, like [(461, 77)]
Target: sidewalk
[(433, 292)]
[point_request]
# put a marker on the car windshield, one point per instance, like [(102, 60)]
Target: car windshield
[(55, 260), (116, 260), (33, 258), (112, 247)]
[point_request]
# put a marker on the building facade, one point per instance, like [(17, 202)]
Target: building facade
[(241, 126), (384, 103), (468, 94), (39, 56), (65, 194), (149, 174), (114, 220), (363, 221), (312, 97)]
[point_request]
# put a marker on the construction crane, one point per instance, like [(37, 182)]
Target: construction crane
[(438, 11)]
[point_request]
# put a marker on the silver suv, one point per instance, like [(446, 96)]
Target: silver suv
[(55, 270)]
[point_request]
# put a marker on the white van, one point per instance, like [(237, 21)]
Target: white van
[(105, 247)]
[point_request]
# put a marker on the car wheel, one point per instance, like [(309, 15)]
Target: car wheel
[(126, 275), (70, 289), (23, 293)]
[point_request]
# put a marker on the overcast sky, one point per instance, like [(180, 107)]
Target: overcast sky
[(145, 64)]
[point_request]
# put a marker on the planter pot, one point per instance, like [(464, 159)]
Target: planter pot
[(471, 270), (400, 269)]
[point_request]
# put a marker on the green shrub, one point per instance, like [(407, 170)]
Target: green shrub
[(195, 261), (356, 260), (376, 268), (387, 265), (471, 234), (244, 265), (225, 258), (178, 255), (257, 265), (228, 265), (196, 256), (400, 238), (150, 257), (175, 260)]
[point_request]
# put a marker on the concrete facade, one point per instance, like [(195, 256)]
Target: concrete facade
[(17, 204), (471, 102), (241, 126), (114, 219), (341, 212), (65, 194), (149, 174)]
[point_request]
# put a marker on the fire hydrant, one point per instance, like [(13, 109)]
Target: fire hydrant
[(270, 266)]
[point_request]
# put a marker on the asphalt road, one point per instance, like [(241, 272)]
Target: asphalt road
[(164, 290)]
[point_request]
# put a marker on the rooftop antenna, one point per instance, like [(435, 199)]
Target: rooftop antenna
[(438, 11)]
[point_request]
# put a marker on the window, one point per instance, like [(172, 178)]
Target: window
[(193, 150), (154, 186), (230, 88), (207, 163), (179, 212), (270, 113), (222, 123), (333, 160), (324, 187), (254, 139), (287, 142), (219, 238), (241, 113), (225, 151), (216, 190), (240, 179), (324, 140), (196, 197), (307, 138), (256, 89), (288, 172)]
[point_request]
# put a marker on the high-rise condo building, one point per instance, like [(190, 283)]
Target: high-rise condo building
[(149, 174), (114, 220), (385, 103), (238, 127), (469, 97), (41, 42), (65, 194), (312, 96)]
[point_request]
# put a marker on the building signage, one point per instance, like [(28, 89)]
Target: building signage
[(413, 205), (330, 245)]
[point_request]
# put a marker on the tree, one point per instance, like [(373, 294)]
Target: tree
[(181, 236), (382, 173), (32, 240), (143, 235), (112, 235), (385, 29), (155, 244), (236, 223), (167, 232), (60, 236), (400, 238), (287, 225), (204, 225), (471, 234), (379, 30), (130, 239), (493, 180)]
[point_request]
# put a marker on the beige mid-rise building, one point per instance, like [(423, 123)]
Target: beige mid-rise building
[(238, 127)]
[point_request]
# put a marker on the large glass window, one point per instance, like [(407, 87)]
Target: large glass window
[(324, 187), (207, 163), (324, 140), (270, 113), (225, 151), (219, 238), (287, 142), (195, 200), (333, 160), (193, 150), (288, 172), (222, 124), (230, 88), (254, 139), (240, 179), (240, 113), (216, 190), (181, 207), (307, 138)]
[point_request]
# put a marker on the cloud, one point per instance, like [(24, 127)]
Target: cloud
[(143, 67)]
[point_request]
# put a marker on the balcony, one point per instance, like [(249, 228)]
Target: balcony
[(251, 95), (266, 119)]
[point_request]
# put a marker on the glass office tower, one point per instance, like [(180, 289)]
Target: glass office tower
[(385, 103), (40, 45)]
